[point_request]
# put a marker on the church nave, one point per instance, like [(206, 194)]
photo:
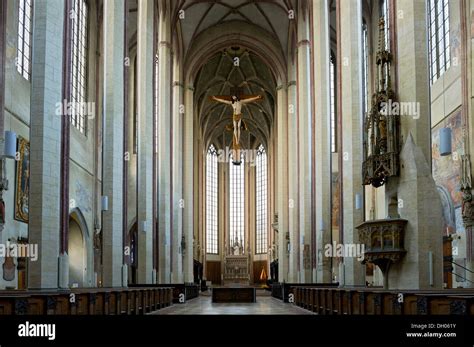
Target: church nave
[(157, 152), (265, 305)]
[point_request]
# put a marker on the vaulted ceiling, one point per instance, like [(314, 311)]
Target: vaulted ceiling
[(218, 74), (270, 15)]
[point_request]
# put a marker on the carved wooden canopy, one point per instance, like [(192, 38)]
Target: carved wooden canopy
[(381, 136)]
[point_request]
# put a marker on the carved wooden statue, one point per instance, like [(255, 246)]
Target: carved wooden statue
[(236, 100)]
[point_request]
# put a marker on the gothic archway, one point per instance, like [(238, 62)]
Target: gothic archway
[(79, 246)]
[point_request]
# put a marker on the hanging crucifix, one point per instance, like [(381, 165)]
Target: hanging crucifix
[(236, 100)]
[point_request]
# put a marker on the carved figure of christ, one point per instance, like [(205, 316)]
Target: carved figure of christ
[(236, 104)]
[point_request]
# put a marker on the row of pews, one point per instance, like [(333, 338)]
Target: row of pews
[(101, 301), (285, 291), (369, 301), (182, 292)]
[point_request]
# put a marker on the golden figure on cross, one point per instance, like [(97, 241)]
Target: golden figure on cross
[(236, 101)]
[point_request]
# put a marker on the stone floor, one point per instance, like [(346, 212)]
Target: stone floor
[(203, 305)]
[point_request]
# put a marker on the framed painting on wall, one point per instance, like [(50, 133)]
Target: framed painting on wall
[(22, 180)]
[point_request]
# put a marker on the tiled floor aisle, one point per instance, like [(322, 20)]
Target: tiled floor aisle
[(203, 305)]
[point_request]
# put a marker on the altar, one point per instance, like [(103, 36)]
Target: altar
[(236, 270), (234, 295)]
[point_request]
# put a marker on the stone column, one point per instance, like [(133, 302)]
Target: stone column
[(271, 189), (304, 142), (145, 70), (199, 183), (282, 181), (112, 180), (198, 208), (164, 146), (178, 203), (250, 225), (413, 60), (45, 139), (65, 150), (350, 68), (188, 184), (126, 144), (322, 142), (223, 212), (291, 204), (418, 198)]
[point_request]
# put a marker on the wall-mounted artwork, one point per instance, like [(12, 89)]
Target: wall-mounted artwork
[(447, 169), (22, 180), (456, 43)]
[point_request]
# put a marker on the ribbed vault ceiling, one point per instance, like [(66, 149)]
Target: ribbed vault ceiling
[(269, 21), (270, 15)]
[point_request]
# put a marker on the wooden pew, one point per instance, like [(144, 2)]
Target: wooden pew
[(284, 291), (180, 291), (85, 301), (376, 301)]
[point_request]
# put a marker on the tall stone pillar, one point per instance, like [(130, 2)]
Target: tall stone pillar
[(291, 204), (112, 224), (322, 142), (412, 58), (188, 186), (65, 152), (45, 139), (164, 145), (145, 117), (350, 68), (417, 195), (199, 182), (304, 142), (282, 182), (249, 210), (222, 213), (126, 144), (178, 203)]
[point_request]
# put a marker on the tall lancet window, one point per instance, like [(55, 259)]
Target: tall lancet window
[(385, 13), (79, 20), (261, 203), (332, 83), (365, 66), (237, 203), (211, 201), (440, 55), (25, 27)]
